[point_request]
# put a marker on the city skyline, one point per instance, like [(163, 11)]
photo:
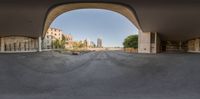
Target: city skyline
[(111, 26), (91, 42)]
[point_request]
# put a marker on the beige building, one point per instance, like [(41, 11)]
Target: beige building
[(69, 41), (52, 35)]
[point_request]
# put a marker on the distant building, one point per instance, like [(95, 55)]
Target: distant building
[(92, 44), (88, 42), (69, 41), (52, 35), (99, 43)]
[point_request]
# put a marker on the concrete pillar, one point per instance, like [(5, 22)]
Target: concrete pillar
[(197, 45), (144, 42), (180, 45), (156, 42), (39, 44), (2, 45), (33, 44)]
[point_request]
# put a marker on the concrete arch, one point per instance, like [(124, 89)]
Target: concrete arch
[(60, 9)]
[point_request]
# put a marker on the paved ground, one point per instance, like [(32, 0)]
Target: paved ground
[(99, 75)]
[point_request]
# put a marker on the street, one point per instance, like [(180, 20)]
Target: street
[(99, 75)]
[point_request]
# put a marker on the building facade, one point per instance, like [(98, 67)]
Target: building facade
[(69, 41), (99, 43), (52, 35), (92, 44)]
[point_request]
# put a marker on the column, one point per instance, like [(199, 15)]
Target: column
[(2, 45), (31, 44), (39, 44), (156, 43), (144, 42), (197, 45), (180, 45)]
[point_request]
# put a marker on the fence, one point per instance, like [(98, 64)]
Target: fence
[(130, 50)]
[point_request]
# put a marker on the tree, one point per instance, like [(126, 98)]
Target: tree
[(63, 42), (56, 44), (59, 43), (77, 45), (81, 44), (131, 41)]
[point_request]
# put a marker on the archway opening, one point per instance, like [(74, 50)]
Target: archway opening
[(93, 28), (60, 20)]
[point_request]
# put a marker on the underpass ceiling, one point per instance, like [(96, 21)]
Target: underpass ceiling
[(170, 18)]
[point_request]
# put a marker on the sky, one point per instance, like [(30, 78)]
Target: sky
[(91, 24)]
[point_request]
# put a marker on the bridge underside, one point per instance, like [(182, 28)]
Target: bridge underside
[(170, 25)]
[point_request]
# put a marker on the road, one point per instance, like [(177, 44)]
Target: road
[(99, 75)]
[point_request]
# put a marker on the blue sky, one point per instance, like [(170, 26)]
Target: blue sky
[(110, 26)]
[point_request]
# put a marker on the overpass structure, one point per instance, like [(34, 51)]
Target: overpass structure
[(170, 25)]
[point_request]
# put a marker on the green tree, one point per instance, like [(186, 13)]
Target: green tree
[(81, 44), (56, 44), (59, 43), (77, 45), (63, 42), (131, 41)]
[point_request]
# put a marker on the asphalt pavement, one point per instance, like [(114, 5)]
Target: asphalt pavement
[(99, 75)]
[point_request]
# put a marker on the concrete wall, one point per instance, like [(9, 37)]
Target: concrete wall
[(18, 44), (197, 45), (194, 45), (144, 42), (148, 42)]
